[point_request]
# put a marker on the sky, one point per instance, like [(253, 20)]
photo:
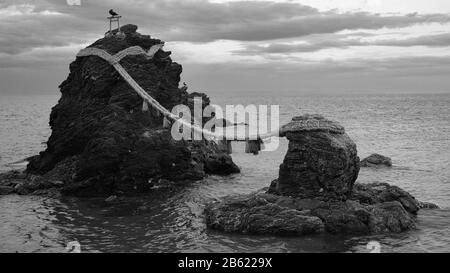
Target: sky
[(279, 46)]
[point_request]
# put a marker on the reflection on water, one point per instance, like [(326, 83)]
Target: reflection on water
[(413, 130)]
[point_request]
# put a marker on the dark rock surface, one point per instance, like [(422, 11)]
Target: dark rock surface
[(376, 160), (261, 213), (321, 161), (102, 143), (316, 191), (264, 213), (375, 193)]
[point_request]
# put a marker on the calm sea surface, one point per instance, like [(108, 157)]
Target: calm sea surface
[(412, 129)]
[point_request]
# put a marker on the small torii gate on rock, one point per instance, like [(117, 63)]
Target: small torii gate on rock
[(112, 19)]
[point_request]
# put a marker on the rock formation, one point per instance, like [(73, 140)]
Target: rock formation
[(102, 143), (316, 191), (321, 161), (375, 160)]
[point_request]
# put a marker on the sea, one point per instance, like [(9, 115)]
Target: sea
[(412, 129)]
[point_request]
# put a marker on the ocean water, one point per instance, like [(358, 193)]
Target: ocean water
[(413, 129)]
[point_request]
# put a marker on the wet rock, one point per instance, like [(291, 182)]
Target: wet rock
[(4, 190), (262, 213), (352, 217), (376, 160), (220, 164), (256, 215), (374, 193), (102, 142), (321, 161)]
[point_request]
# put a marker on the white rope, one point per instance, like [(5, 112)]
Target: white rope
[(137, 50)]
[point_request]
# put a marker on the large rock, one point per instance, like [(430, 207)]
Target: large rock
[(115, 146), (321, 161)]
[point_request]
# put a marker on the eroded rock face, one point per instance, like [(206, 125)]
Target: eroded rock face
[(119, 148), (321, 161)]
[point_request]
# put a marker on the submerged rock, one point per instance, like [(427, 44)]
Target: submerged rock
[(321, 161), (375, 160), (316, 191), (102, 143)]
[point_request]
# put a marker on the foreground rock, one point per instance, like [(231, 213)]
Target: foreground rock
[(102, 143), (376, 160), (263, 213), (316, 191)]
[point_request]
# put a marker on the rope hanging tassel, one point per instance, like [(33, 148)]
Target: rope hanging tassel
[(254, 146), (166, 123), (225, 146), (144, 106)]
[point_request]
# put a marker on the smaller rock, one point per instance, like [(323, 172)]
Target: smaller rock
[(375, 160), (220, 164)]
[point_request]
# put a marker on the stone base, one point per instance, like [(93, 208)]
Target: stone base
[(373, 208)]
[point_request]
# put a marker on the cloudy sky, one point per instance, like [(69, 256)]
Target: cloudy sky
[(246, 46)]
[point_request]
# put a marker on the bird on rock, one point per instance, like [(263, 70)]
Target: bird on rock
[(113, 13)]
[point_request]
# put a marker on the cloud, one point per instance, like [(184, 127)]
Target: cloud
[(29, 24), (406, 74), (233, 43), (340, 41)]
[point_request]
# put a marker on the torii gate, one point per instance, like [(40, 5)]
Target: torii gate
[(114, 18)]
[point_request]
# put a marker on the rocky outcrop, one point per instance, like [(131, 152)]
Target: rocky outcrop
[(316, 191), (321, 161), (263, 213), (376, 160), (112, 145)]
